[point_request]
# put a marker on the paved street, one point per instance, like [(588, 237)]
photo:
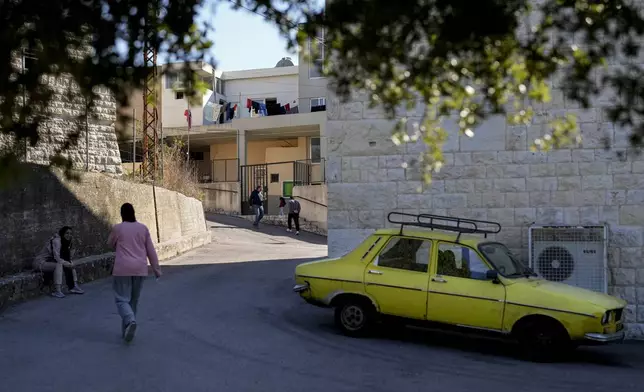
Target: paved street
[(223, 318)]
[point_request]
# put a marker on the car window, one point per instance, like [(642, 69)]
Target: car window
[(501, 257), (460, 261), (405, 253)]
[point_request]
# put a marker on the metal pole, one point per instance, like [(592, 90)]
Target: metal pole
[(189, 126), (162, 149), (86, 134), (134, 142)]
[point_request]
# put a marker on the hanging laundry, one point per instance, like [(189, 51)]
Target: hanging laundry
[(282, 110), (262, 109), (248, 103), (287, 107)]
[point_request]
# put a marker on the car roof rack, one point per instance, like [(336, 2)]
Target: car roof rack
[(446, 223)]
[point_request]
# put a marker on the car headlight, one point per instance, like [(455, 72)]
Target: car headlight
[(606, 318)]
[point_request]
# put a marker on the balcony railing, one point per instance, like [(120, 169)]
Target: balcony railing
[(260, 109)]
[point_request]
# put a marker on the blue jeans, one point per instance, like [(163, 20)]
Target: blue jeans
[(259, 214), (127, 290)]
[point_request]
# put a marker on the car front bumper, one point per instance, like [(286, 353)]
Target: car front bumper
[(300, 288), (601, 338)]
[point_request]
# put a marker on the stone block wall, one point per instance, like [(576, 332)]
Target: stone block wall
[(96, 149), (492, 176), (97, 143)]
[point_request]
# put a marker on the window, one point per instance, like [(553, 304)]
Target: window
[(503, 260), (317, 51), (318, 102), (178, 95), (316, 153), (170, 79), (275, 177), (219, 86), (461, 262), (196, 156), (405, 253), (271, 101)]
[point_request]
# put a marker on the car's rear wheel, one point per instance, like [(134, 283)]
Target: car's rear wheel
[(354, 316), (543, 340)]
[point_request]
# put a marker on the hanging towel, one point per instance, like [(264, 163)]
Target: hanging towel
[(248, 104), (262, 109), (288, 107)]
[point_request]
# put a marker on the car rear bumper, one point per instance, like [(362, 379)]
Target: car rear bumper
[(601, 338)]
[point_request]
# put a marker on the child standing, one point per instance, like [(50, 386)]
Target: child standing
[(282, 205)]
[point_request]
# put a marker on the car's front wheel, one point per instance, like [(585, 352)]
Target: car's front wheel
[(354, 316), (544, 340)]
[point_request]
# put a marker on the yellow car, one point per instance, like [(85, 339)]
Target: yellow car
[(454, 278)]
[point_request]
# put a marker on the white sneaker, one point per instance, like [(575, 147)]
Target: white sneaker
[(58, 294), (77, 290), (288, 230), (297, 233)]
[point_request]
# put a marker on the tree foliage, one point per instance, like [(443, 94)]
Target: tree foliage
[(470, 60), (93, 42), (461, 59)]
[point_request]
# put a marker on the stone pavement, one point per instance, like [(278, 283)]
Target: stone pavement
[(224, 318)]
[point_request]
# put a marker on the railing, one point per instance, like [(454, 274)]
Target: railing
[(311, 201), (222, 170), (299, 105), (309, 171)]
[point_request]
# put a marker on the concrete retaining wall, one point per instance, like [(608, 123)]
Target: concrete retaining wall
[(222, 198), (41, 201), (313, 199)]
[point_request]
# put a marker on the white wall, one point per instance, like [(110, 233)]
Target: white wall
[(173, 109), (284, 88)]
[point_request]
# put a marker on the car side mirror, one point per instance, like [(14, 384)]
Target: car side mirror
[(492, 275)]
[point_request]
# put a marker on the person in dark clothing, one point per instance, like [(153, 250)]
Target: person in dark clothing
[(56, 257), (294, 209), (257, 202)]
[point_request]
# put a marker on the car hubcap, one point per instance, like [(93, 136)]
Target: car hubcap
[(352, 317)]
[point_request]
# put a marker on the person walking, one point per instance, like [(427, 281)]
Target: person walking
[(282, 205), (56, 257), (257, 202), (134, 247), (294, 209)]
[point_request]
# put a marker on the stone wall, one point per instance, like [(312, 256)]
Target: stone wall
[(41, 201), (492, 176), (96, 148)]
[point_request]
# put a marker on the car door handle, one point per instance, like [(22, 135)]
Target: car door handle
[(438, 279), (374, 272)]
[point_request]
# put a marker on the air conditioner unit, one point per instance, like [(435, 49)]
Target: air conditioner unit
[(574, 255)]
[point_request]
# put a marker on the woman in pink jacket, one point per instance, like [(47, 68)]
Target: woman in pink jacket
[(134, 247)]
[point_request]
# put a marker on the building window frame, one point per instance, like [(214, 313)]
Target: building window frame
[(317, 159), (320, 100), (319, 61)]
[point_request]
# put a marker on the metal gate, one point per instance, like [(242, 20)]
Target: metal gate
[(250, 177), (301, 173)]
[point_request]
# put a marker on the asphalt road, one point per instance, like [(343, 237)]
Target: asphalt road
[(223, 318)]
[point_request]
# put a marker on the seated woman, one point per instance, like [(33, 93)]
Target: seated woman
[(56, 257)]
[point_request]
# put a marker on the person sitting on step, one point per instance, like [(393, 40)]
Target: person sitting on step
[(56, 257)]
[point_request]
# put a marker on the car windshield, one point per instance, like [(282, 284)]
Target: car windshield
[(503, 260)]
